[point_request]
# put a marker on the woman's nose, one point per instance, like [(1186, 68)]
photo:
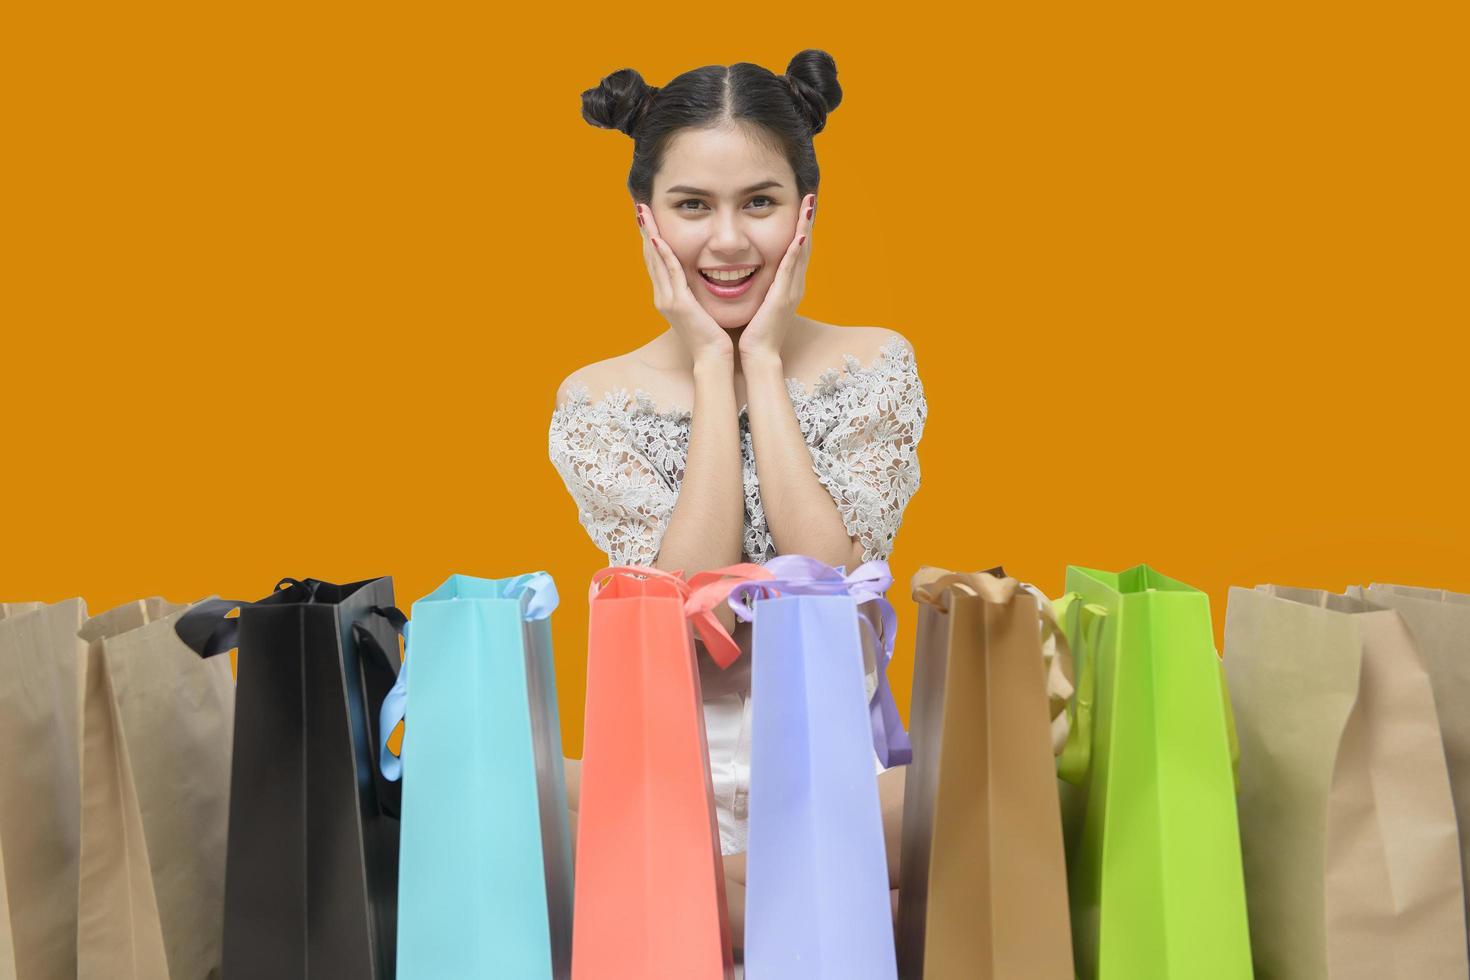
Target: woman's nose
[(727, 235)]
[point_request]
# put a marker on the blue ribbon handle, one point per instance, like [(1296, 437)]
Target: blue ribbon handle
[(542, 603), (395, 705)]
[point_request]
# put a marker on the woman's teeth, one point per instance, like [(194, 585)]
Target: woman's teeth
[(727, 276)]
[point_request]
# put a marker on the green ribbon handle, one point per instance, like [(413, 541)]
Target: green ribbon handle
[(1082, 625)]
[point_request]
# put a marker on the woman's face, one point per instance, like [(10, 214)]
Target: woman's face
[(722, 199)]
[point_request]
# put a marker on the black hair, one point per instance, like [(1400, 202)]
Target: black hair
[(784, 110)]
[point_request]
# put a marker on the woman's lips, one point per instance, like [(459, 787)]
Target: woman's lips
[(729, 290)]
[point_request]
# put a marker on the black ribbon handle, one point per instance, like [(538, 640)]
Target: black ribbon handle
[(209, 630), (205, 628)]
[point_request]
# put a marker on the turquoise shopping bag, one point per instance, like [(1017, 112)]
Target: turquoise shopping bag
[(1153, 849), (485, 874)]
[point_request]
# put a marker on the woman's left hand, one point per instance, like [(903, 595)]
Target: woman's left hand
[(767, 330)]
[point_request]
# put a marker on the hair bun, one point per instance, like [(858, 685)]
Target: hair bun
[(812, 75), (618, 102)]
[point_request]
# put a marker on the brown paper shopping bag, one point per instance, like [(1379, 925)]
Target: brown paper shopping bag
[(7, 944), (1347, 824), (983, 879), (1440, 622), (157, 722), (40, 657), (7, 941)]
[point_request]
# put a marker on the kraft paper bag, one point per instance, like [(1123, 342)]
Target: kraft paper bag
[(819, 912), (650, 883), (1348, 826), (40, 781), (1155, 878), (1440, 622), (311, 868), (7, 941), (157, 725), (485, 874), (983, 886)]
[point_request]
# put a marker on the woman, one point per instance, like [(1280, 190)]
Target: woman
[(751, 430)]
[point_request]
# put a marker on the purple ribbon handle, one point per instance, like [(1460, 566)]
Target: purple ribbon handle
[(803, 575)]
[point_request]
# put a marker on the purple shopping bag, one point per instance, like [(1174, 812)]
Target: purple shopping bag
[(816, 896)]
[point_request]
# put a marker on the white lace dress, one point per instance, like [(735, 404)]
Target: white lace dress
[(622, 460)]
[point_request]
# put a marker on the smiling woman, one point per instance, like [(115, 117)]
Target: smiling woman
[(751, 430)]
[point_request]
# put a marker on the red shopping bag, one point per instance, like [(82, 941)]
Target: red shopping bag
[(650, 883)]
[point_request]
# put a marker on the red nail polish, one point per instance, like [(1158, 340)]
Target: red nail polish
[(801, 240), (808, 212), (640, 221)]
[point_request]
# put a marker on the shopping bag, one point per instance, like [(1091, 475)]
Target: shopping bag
[(7, 942), (1347, 822), (983, 878), (311, 872), (157, 723), (1440, 622), (40, 781), (1155, 879), (817, 911), (650, 889), (485, 859)]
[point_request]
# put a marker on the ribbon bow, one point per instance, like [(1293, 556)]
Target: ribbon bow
[(937, 587), (721, 645), (539, 591), (804, 575)]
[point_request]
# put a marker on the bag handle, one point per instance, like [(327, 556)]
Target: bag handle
[(675, 579), (1084, 625), (721, 645), (380, 673), (209, 630), (543, 602), (804, 575), (934, 586)]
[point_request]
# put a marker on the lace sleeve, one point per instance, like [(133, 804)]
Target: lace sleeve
[(868, 456), (621, 500)]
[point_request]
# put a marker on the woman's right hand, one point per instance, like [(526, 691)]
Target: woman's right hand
[(702, 336)]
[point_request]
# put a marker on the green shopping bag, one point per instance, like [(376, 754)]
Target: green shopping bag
[(1153, 845)]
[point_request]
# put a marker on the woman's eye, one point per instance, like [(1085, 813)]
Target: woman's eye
[(698, 203)]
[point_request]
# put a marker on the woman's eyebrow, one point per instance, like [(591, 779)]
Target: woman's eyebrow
[(685, 189)]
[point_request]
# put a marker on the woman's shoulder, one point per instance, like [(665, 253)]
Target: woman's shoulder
[(882, 341), (596, 382), (839, 352), (622, 374), (833, 344), (829, 351)]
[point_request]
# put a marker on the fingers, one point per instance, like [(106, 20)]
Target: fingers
[(672, 268), (657, 270), (804, 234), (792, 268)]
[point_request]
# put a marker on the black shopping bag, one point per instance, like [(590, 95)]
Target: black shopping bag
[(311, 874)]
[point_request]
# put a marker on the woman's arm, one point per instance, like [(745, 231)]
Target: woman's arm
[(707, 527), (803, 517)]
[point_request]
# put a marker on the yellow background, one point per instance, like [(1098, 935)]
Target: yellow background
[(288, 288)]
